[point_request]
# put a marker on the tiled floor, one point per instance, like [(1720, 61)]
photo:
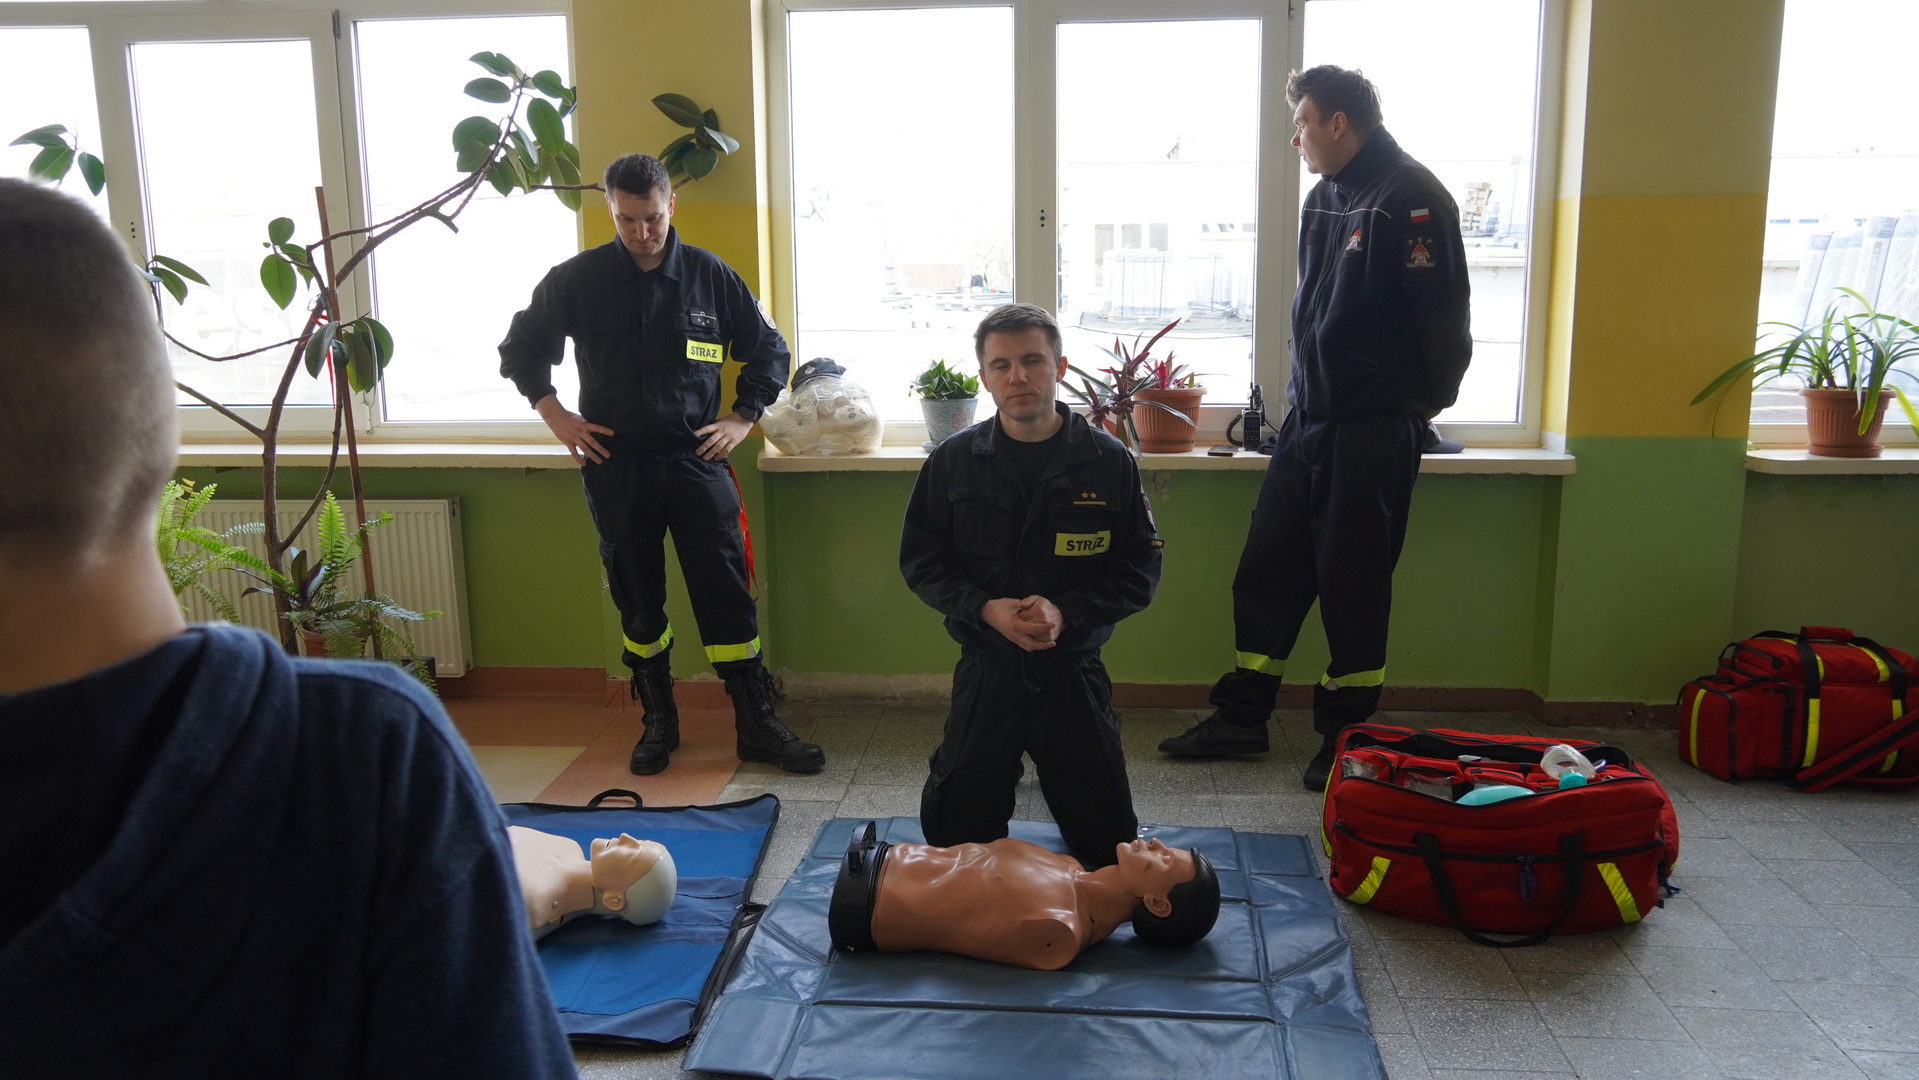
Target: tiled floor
[(1792, 954)]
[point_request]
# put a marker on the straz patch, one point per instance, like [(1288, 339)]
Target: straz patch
[(1352, 242), (1083, 543), (705, 350), (1419, 253)]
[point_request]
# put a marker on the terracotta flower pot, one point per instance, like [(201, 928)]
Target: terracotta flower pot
[(1832, 424), (1161, 432)]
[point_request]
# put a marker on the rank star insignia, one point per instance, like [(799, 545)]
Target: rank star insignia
[(1418, 256), (1352, 242)]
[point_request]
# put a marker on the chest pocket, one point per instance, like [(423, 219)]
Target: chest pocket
[(986, 521), (1081, 523), (701, 329)]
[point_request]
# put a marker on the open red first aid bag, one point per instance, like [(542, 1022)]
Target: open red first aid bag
[(1590, 855)]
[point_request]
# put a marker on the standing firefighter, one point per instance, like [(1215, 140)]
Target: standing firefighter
[(651, 320), (1380, 343)]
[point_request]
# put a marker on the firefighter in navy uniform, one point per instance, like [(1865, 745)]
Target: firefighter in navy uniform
[(651, 320), (1381, 340), (1030, 533)]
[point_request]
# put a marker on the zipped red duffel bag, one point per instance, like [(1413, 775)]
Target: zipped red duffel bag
[(1558, 861), (1812, 708)]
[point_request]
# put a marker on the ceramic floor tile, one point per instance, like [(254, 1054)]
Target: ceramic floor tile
[(1878, 1066), (1631, 1059), (1401, 1056), (1759, 902), (1601, 1006), (1840, 883), (1709, 978), (1810, 954), (1448, 969), (1881, 1018), (1474, 1034), (520, 773), (1899, 862), (1744, 1045), (1790, 840), (1884, 932)]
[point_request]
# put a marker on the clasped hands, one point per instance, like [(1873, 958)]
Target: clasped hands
[(1033, 623)]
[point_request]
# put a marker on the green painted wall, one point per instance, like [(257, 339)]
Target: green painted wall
[(1831, 551)]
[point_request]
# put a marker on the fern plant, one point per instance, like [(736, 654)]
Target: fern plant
[(190, 552)]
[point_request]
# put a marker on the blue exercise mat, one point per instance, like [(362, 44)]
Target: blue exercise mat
[(617, 982), (1270, 993)]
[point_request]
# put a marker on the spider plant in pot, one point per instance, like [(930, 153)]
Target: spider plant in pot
[(1844, 360), (1115, 394), (947, 401)]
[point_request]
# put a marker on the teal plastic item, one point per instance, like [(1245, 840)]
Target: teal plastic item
[(1571, 779), (1485, 794)]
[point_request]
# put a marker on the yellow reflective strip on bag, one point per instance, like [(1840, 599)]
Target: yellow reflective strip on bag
[(1699, 698), (645, 652), (1891, 760), (1885, 673), (720, 654), (1812, 733), (1621, 894), (1376, 677), (1265, 665), (1367, 888)]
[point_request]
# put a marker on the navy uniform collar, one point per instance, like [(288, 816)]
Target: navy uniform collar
[(625, 269), (1079, 437), (1380, 150)]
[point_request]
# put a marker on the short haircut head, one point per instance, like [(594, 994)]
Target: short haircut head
[(1335, 90), (1016, 319), (86, 392), (637, 174), (1195, 909)]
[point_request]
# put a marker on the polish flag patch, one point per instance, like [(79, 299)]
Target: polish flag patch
[(1422, 215)]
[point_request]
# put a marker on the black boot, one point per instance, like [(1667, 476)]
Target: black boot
[(759, 734), (1238, 726), (653, 688), (1317, 770)]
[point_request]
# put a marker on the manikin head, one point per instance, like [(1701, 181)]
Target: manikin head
[(634, 879), (1177, 889)]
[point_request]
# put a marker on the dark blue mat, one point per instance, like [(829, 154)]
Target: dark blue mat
[(1270, 993), (614, 981)]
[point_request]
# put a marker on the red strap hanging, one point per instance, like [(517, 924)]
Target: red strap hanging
[(746, 536)]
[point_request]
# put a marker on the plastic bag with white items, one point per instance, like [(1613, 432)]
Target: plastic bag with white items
[(823, 412)]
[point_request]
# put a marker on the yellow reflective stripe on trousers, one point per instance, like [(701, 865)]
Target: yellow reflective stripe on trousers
[(1376, 677), (647, 651), (1621, 894), (1367, 888), (1265, 665), (1699, 698), (1812, 733), (720, 654)]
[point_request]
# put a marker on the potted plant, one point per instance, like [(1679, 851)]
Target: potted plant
[(1844, 360), (314, 601), (947, 400), (1113, 396), (190, 552)]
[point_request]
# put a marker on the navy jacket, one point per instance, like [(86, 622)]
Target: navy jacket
[(649, 345), (1085, 540), (310, 881), (1381, 321)]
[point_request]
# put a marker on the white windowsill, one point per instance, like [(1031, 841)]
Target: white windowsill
[(904, 458), (385, 455), (1795, 461)]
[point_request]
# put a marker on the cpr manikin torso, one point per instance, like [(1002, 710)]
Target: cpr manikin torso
[(1017, 903), (633, 879)]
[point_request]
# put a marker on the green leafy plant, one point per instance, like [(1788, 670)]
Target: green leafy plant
[(313, 597), (942, 383), (693, 155), (190, 552), (1842, 350), (1111, 394), (351, 350)]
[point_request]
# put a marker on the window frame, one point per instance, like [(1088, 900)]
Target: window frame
[(1278, 197), (113, 27)]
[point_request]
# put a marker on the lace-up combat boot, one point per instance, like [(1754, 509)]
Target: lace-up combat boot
[(760, 735), (653, 689)]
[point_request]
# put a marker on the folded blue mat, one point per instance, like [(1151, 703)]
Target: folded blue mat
[(1270, 993), (648, 985)]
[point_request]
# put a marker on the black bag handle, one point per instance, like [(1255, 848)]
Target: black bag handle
[(615, 793), (1572, 858)]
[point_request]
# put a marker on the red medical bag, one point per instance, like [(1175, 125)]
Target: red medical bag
[(1812, 708), (1557, 861)]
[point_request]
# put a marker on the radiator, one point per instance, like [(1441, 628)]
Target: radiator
[(417, 560)]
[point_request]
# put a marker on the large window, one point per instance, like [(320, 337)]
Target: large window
[(216, 118), (1842, 208), (1150, 177)]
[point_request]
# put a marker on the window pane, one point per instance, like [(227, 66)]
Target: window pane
[(1843, 204), (448, 296), (1410, 50), (215, 178), (902, 188), (48, 79), (1168, 166)]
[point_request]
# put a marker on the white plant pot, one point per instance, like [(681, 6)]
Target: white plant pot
[(945, 419)]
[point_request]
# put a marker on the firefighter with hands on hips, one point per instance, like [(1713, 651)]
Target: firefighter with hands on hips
[(1381, 340), (1030, 533), (651, 320)]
